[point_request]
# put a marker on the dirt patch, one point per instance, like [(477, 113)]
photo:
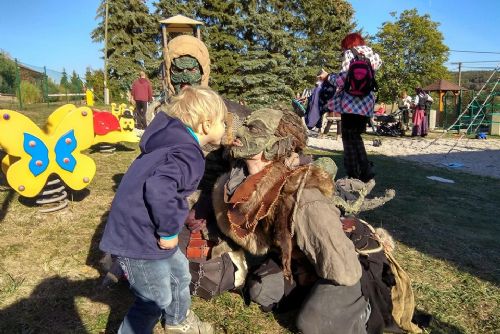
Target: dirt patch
[(475, 156)]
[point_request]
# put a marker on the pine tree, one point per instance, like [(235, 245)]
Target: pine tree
[(326, 24), (133, 41), (76, 85), (64, 83), (264, 50)]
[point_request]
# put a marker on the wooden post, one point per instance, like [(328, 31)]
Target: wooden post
[(165, 56)]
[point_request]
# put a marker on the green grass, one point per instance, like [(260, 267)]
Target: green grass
[(447, 241)]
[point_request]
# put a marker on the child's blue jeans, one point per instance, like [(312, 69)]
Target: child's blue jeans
[(161, 288)]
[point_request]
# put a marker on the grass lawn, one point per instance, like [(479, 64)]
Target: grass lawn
[(447, 241)]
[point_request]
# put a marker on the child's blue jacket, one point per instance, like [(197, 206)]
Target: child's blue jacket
[(151, 199)]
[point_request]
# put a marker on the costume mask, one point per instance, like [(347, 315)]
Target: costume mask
[(186, 46), (185, 71), (257, 135)]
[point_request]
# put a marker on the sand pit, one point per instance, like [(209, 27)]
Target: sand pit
[(475, 156)]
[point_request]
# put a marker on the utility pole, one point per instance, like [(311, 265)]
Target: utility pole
[(106, 90), (459, 73), (459, 104)]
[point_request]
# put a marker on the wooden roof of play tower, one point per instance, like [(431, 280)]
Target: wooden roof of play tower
[(180, 23)]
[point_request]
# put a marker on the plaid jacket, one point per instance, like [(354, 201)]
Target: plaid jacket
[(367, 51), (348, 104)]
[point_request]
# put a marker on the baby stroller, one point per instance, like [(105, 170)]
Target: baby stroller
[(389, 125)]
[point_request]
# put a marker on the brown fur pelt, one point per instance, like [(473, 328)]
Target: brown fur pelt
[(257, 243), (276, 228)]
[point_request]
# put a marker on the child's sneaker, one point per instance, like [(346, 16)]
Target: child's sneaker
[(191, 325)]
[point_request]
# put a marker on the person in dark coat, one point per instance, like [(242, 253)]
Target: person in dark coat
[(150, 208)]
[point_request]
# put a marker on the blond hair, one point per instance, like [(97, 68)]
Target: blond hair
[(195, 105)]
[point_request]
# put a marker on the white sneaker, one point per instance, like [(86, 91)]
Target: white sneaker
[(191, 325)]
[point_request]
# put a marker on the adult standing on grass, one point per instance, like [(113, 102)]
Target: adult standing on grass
[(150, 208), (355, 99), (142, 93)]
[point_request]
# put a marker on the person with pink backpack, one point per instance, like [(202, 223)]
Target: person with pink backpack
[(355, 99)]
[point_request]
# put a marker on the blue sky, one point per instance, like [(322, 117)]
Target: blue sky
[(56, 33)]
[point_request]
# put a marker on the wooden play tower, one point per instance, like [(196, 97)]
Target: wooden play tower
[(178, 24)]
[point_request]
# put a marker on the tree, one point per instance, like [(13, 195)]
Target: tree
[(95, 81), (7, 75), (76, 85), (413, 54), (52, 88), (326, 24), (133, 42), (64, 83), (262, 51)]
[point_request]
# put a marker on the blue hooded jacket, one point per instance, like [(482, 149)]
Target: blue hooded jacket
[(151, 199)]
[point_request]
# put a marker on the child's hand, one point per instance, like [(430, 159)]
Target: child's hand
[(168, 244)]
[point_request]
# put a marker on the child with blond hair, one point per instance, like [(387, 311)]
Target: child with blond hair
[(150, 208)]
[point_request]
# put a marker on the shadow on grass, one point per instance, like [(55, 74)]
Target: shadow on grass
[(117, 148), (7, 194), (433, 325), (6, 202), (117, 178), (52, 307), (453, 222)]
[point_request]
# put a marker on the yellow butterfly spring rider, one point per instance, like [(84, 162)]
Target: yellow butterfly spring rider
[(34, 154)]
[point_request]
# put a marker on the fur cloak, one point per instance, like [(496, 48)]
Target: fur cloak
[(302, 215)]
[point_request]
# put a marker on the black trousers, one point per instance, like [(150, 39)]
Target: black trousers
[(356, 161), (140, 114)]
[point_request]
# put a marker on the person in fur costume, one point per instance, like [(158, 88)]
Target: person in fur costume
[(289, 214), (265, 207)]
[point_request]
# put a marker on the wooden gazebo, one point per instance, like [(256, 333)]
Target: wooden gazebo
[(442, 86)]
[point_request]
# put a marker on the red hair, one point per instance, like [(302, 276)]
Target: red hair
[(351, 41)]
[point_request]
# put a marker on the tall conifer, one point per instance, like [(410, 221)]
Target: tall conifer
[(132, 41)]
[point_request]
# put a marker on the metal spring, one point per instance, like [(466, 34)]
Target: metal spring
[(53, 198), (107, 148)]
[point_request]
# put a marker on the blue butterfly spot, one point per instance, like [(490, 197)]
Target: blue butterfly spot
[(64, 149), (38, 152)]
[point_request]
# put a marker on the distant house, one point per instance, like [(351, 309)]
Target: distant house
[(30, 74), (27, 73)]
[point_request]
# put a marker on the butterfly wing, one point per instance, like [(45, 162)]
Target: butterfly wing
[(27, 165), (74, 134), (56, 117)]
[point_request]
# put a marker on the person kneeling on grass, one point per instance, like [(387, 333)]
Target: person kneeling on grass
[(150, 208)]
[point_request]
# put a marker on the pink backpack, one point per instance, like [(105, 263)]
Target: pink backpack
[(360, 79)]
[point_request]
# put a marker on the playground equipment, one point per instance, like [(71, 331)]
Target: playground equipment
[(183, 46), (176, 24), (33, 154), (115, 126), (478, 116), (473, 123), (444, 88), (38, 161)]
